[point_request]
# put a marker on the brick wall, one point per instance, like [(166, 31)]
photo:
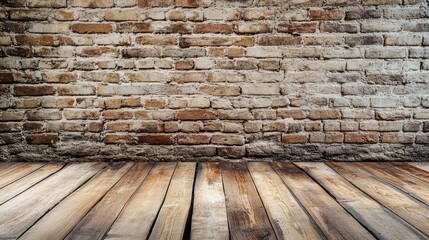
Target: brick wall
[(214, 79)]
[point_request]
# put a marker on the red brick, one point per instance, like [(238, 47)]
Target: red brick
[(6, 77), (196, 115), (91, 28), (192, 139), (326, 14), (213, 28), (155, 3), (35, 40), (116, 138), (155, 139), (294, 138), (135, 27), (297, 27), (46, 139), (187, 3), (27, 90), (227, 139), (361, 138)]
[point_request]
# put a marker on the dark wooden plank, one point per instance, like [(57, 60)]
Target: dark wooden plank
[(421, 165), (414, 170), (394, 176), (209, 204), (174, 214), (330, 216), (18, 173), (246, 214), (381, 222), (19, 186), (58, 222), (99, 220), (289, 219), (138, 216), (20, 213), (403, 205)]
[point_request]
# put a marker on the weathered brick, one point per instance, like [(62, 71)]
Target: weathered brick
[(155, 139), (91, 28), (297, 27), (227, 139), (193, 139), (29, 90), (361, 138), (51, 138), (215, 41), (294, 138), (92, 3), (196, 115)]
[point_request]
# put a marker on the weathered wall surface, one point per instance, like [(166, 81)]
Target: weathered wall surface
[(214, 79)]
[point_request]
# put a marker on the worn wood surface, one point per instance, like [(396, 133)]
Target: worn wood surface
[(405, 206), (246, 214), (333, 220), (288, 218), (234, 200), (22, 211), (138, 216), (98, 221), (175, 211), (381, 222), (209, 192)]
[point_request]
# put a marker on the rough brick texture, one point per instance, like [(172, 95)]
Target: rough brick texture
[(157, 80)]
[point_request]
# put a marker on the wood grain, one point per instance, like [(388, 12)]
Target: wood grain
[(8, 167), (18, 173), (333, 220), (246, 214), (209, 204), (414, 170), (138, 216), (57, 223), (394, 176), (422, 165), (381, 222), (289, 219), (174, 214), (99, 220), (20, 213), (19, 186), (409, 209)]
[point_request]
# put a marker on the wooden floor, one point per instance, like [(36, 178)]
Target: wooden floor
[(214, 201)]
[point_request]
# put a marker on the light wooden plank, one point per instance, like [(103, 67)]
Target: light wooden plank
[(99, 220), (289, 219), (246, 214), (409, 209), (209, 204), (412, 169), (381, 222), (174, 214), (385, 172), (422, 165), (22, 211), (138, 216), (10, 166), (19, 186), (57, 223), (18, 173), (333, 220)]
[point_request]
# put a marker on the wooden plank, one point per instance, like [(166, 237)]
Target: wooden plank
[(422, 165), (333, 220), (18, 173), (10, 166), (174, 214), (138, 216), (381, 222), (289, 219), (209, 204), (24, 210), (246, 214), (99, 220), (385, 172), (413, 170), (19, 186), (409, 209), (58, 222)]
